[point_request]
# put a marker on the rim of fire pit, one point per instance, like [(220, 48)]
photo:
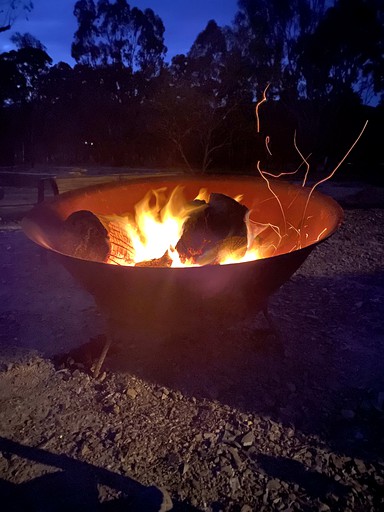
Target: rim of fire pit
[(45, 216)]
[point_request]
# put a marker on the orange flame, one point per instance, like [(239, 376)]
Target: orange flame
[(157, 225)]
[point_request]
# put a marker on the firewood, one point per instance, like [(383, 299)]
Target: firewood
[(208, 231), (212, 232), (96, 237), (84, 236)]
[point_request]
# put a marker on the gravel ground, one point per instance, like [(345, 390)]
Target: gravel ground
[(241, 423)]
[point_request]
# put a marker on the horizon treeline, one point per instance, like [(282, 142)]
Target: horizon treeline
[(122, 104)]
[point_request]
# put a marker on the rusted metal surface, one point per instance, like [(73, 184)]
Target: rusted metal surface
[(171, 299)]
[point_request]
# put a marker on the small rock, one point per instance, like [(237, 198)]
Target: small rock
[(323, 507), (273, 485), (84, 450), (234, 483), (227, 469), (102, 377), (246, 508), (248, 439), (228, 437), (235, 456), (361, 467), (337, 462), (132, 393)]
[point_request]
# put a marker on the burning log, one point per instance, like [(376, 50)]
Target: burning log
[(95, 237), (219, 228), (210, 234)]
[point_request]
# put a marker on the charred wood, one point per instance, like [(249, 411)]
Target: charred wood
[(215, 230), (95, 237), (218, 227)]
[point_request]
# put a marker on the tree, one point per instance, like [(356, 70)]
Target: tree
[(267, 33), (204, 89), (10, 9), (21, 71), (114, 34), (27, 40), (346, 50)]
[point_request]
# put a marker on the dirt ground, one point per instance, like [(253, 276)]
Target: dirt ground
[(234, 421)]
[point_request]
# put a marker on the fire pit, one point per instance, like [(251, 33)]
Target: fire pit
[(157, 301)]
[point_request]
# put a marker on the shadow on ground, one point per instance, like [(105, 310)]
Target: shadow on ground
[(72, 485), (322, 376)]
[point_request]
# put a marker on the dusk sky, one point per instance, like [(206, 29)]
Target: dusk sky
[(53, 23)]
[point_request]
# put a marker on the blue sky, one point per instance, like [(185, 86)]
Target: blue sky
[(53, 23)]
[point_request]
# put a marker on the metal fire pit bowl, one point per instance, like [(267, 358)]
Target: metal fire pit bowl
[(173, 300)]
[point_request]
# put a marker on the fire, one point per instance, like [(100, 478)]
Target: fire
[(157, 225)]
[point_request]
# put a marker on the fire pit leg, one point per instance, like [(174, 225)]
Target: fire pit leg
[(102, 357)]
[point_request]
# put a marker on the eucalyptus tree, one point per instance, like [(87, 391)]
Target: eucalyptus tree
[(21, 71), (345, 52), (26, 40), (114, 34), (199, 97), (268, 34)]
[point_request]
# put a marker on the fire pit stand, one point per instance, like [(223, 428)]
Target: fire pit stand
[(109, 340), (155, 302), (103, 355)]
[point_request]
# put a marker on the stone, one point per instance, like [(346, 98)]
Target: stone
[(131, 393), (361, 467), (102, 377), (235, 457), (248, 439), (273, 485), (234, 483), (228, 437)]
